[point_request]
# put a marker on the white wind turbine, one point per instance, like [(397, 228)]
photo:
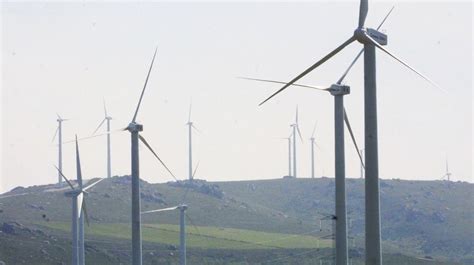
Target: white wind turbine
[(191, 126), (182, 228), (448, 174), (59, 133), (313, 143), (296, 129), (371, 39), (78, 207), (107, 119), (135, 128)]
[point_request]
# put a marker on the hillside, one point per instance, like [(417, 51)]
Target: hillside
[(429, 218)]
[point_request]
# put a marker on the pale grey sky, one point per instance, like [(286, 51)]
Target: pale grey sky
[(66, 57)]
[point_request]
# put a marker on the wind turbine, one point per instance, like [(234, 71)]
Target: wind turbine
[(296, 129), (135, 128), (340, 117), (182, 228), (448, 174), (107, 119), (371, 39), (313, 143), (78, 207), (190, 125), (59, 133)]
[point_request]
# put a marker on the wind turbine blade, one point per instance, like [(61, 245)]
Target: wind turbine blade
[(59, 117), (376, 44), (92, 185), (348, 124), (144, 87), (98, 127), (80, 200), (196, 168), (183, 198), (299, 132), (192, 125), (78, 165), (284, 83), (55, 133), (447, 169), (97, 135), (363, 10), (192, 223), (161, 210), (314, 66), (296, 116), (350, 67), (64, 177), (105, 108), (151, 150), (86, 215), (385, 18), (314, 129), (189, 115)]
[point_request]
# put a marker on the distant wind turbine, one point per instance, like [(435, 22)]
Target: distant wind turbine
[(135, 128), (313, 143), (182, 228), (107, 119), (78, 207), (296, 129), (59, 133), (448, 174), (190, 125)]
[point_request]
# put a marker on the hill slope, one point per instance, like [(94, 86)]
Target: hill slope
[(428, 218)]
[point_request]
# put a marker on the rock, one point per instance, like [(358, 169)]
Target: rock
[(8, 228), (172, 247), (152, 197), (19, 188)]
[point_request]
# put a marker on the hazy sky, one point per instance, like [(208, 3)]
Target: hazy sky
[(67, 57)]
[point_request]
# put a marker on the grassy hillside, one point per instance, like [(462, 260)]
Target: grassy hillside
[(429, 218), (421, 217)]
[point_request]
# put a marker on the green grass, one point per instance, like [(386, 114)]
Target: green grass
[(205, 237)]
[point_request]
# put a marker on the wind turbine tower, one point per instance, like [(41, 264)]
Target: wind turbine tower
[(135, 128), (191, 126), (313, 143), (296, 129), (182, 228), (106, 119), (59, 133), (448, 174), (78, 211)]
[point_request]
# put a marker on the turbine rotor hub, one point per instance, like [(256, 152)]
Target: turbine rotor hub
[(360, 35), (135, 127)]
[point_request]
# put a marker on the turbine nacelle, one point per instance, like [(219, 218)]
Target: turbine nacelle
[(183, 207), (134, 127), (361, 35), (339, 90)]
